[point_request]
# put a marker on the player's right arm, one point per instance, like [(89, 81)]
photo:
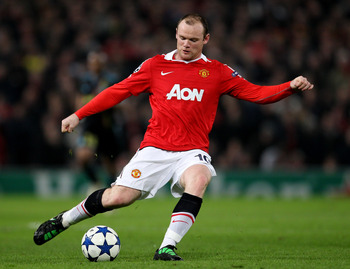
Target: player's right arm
[(136, 83), (69, 123), (101, 102)]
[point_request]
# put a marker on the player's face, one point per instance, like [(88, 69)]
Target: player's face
[(190, 41)]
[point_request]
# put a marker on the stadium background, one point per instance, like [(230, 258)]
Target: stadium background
[(43, 48)]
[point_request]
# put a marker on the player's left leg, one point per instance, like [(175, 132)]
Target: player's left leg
[(99, 201), (194, 180)]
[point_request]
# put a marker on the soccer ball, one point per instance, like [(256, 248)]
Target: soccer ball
[(100, 243)]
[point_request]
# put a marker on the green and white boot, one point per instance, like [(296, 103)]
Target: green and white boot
[(49, 229), (167, 253)]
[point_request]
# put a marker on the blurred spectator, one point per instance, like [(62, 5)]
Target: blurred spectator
[(98, 140), (43, 45)]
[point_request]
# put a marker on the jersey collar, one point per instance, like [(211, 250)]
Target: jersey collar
[(170, 57)]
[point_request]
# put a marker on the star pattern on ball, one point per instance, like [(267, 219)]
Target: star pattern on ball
[(100, 243), (104, 230), (105, 248), (87, 242)]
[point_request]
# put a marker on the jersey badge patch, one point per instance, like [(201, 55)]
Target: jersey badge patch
[(204, 73), (136, 173)]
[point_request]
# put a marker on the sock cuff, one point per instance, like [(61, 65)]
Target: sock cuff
[(189, 203), (191, 198), (93, 203)]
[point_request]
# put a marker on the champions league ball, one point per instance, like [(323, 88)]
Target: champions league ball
[(100, 243)]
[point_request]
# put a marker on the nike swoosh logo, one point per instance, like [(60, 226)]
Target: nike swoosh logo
[(166, 73)]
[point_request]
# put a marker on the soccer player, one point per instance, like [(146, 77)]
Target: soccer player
[(97, 135), (184, 88)]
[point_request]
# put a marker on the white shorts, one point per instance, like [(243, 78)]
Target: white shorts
[(151, 168)]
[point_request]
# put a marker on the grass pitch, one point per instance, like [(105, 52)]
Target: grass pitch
[(228, 233)]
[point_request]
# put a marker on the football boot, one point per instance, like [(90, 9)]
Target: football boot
[(167, 253), (49, 229)]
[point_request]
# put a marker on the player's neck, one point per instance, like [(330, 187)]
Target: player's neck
[(177, 57)]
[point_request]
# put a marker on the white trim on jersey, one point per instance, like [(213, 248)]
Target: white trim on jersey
[(170, 57)]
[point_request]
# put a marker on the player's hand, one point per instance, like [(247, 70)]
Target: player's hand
[(69, 123), (301, 83)]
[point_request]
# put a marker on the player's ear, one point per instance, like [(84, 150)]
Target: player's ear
[(206, 39)]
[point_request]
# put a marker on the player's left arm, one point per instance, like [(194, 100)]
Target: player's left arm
[(235, 85), (245, 90)]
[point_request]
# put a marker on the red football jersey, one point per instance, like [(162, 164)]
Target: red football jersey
[(184, 97)]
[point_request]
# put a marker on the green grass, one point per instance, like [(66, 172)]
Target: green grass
[(228, 233)]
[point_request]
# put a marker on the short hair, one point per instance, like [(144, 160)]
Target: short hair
[(193, 18)]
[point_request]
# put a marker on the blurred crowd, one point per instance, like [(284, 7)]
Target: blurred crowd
[(43, 51)]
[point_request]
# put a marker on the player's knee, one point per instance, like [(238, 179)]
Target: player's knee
[(202, 181), (117, 202), (117, 197), (195, 180), (197, 185)]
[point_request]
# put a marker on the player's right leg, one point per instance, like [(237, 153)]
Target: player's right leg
[(194, 180), (99, 201)]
